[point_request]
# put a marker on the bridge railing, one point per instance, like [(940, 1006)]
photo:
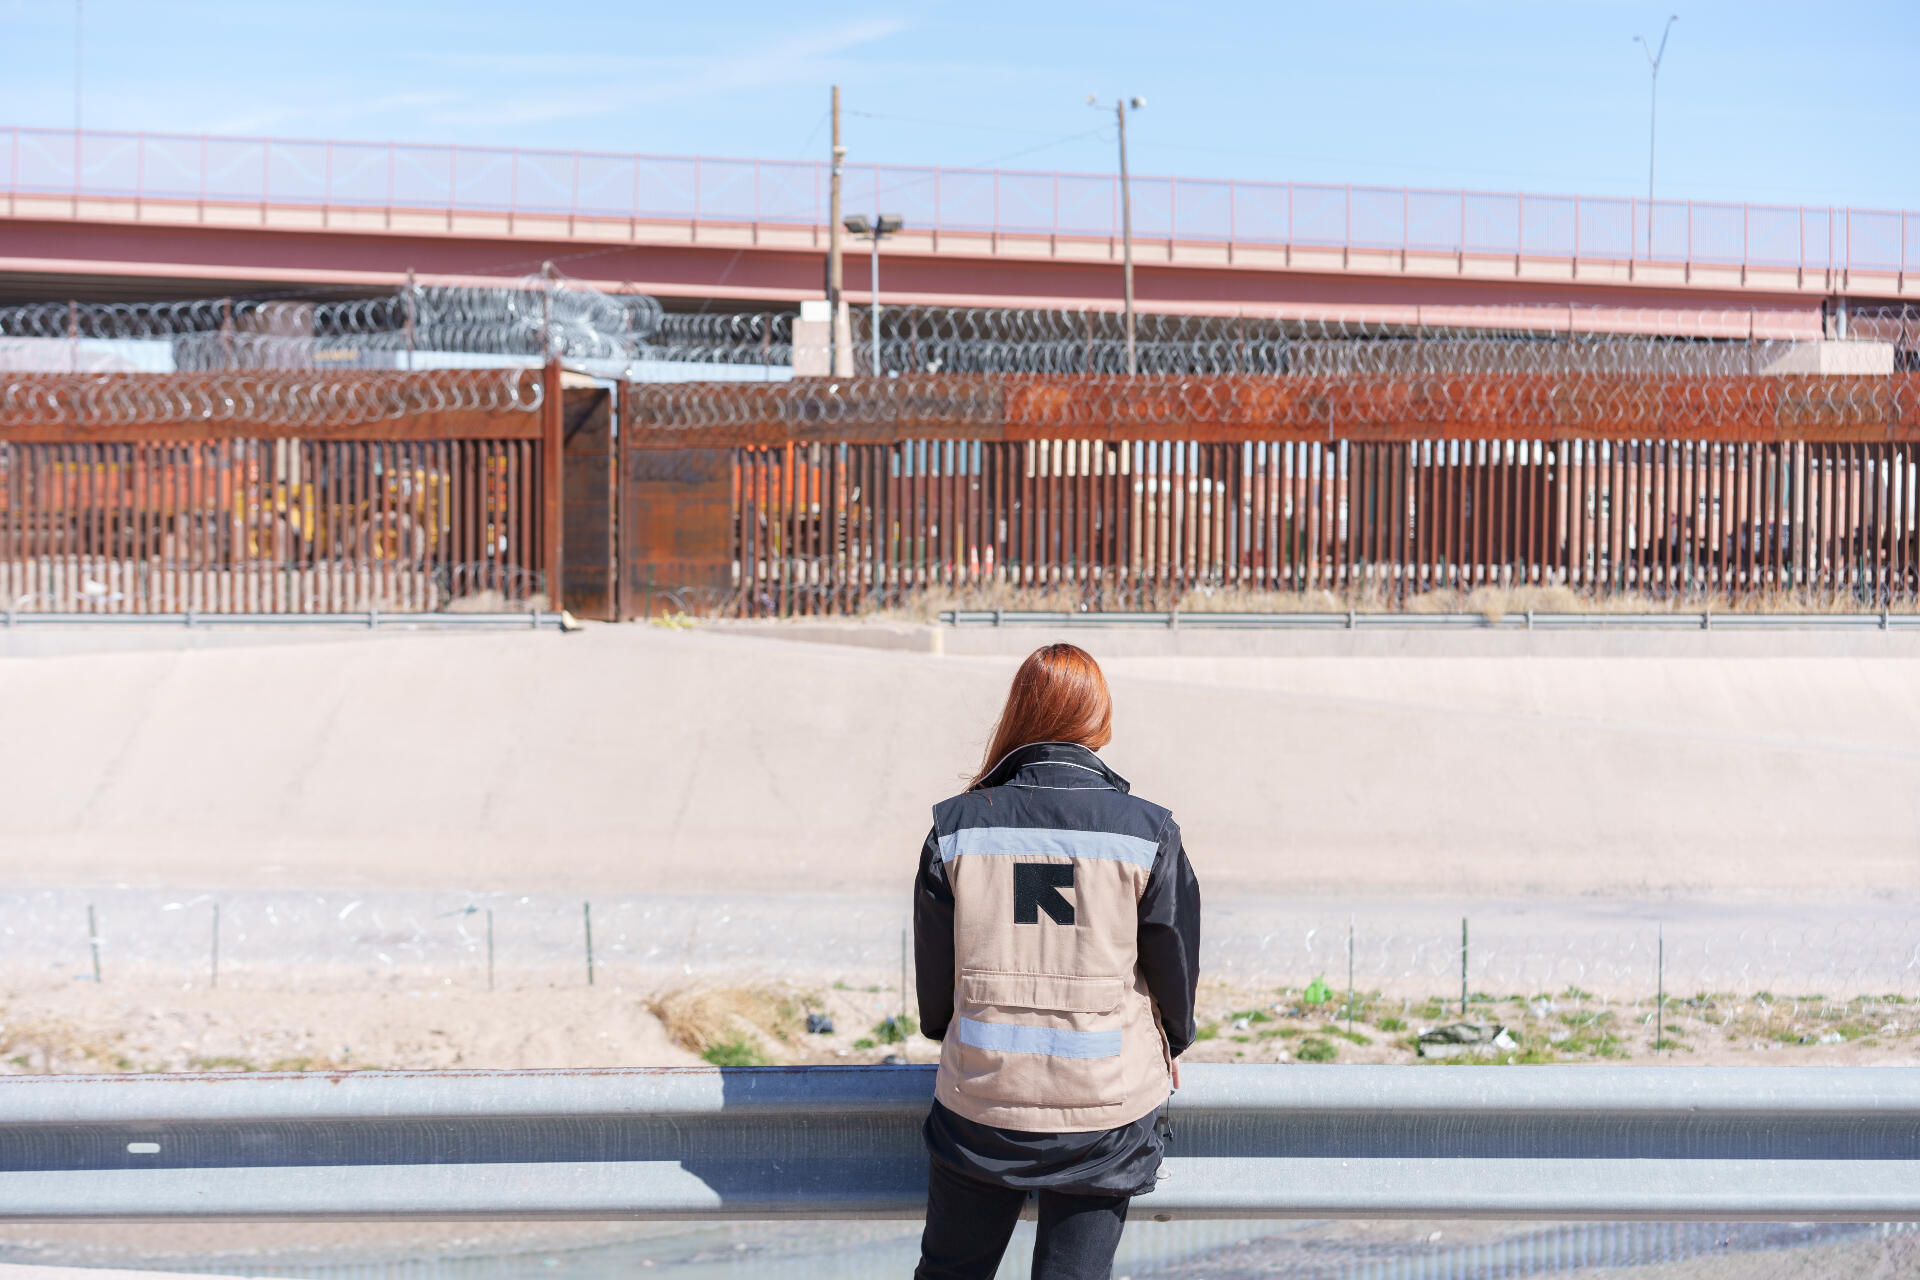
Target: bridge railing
[(206, 172), (1670, 1143)]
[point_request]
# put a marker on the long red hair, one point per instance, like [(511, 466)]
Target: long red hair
[(1059, 695)]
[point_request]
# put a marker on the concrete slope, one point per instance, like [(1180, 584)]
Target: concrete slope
[(629, 759)]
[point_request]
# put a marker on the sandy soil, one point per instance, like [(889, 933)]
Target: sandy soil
[(78, 1027)]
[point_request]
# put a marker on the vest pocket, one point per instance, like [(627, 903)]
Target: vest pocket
[(1039, 1040)]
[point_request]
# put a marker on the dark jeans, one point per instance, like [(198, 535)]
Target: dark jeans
[(969, 1224)]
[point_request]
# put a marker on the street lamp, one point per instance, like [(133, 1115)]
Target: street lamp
[(875, 230), (1653, 111), (1126, 214)]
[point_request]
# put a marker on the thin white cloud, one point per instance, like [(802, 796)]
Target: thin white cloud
[(619, 82)]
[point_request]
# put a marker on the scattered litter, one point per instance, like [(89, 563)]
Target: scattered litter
[(1541, 1008), (1458, 1038), (1242, 1024), (1833, 1037), (820, 1024), (893, 1060)]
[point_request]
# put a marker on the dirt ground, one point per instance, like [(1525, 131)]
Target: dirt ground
[(80, 1027)]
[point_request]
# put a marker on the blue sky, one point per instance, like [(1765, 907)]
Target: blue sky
[(1760, 100)]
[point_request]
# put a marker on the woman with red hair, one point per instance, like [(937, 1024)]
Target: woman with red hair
[(1057, 930)]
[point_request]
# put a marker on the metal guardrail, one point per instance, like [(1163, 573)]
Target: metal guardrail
[(1356, 621), (1714, 1143)]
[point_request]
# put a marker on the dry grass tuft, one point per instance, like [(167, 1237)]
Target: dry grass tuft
[(53, 1047), (699, 1019)]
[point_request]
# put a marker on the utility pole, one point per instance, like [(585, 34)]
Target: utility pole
[(841, 341), (1126, 218), (1653, 112)]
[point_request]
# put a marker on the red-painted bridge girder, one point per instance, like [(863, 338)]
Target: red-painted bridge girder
[(961, 273)]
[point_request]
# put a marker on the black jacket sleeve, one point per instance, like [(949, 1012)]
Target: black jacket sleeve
[(1169, 938), (933, 941)]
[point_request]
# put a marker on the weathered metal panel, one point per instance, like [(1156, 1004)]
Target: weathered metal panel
[(1231, 409), (190, 408), (587, 504), (678, 538)]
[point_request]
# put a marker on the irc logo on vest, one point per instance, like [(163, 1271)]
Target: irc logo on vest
[(1036, 888)]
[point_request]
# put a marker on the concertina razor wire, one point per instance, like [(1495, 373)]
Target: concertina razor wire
[(304, 361)]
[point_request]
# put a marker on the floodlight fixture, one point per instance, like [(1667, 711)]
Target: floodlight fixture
[(857, 224)]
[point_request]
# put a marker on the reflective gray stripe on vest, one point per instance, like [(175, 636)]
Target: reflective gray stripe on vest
[(1054, 1042), (1047, 842)]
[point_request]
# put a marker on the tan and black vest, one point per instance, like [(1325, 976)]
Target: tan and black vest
[(1053, 1026)]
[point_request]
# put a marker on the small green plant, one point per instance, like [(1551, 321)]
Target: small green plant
[(1268, 1033), (1251, 1015), (1317, 992), (1433, 1010), (1314, 1049), (1207, 1031), (221, 1064), (864, 1043), (1353, 1036), (736, 1052), (1575, 993), (894, 1030), (1390, 1024)]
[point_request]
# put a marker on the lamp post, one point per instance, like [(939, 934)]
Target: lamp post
[(1653, 111), (879, 228), (1126, 215)]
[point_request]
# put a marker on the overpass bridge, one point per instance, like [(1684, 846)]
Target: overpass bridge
[(99, 213)]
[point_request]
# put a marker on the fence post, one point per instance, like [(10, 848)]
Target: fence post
[(1660, 986), (586, 915), (1349, 975), (1463, 966), (552, 445), (93, 940)]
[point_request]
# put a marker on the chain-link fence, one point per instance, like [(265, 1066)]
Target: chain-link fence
[(1402, 953)]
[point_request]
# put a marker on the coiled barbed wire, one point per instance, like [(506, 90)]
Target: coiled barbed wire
[(1581, 403), (540, 316), (533, 318), (289, 398)]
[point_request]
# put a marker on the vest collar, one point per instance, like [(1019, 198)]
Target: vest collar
[(1036, 755)]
